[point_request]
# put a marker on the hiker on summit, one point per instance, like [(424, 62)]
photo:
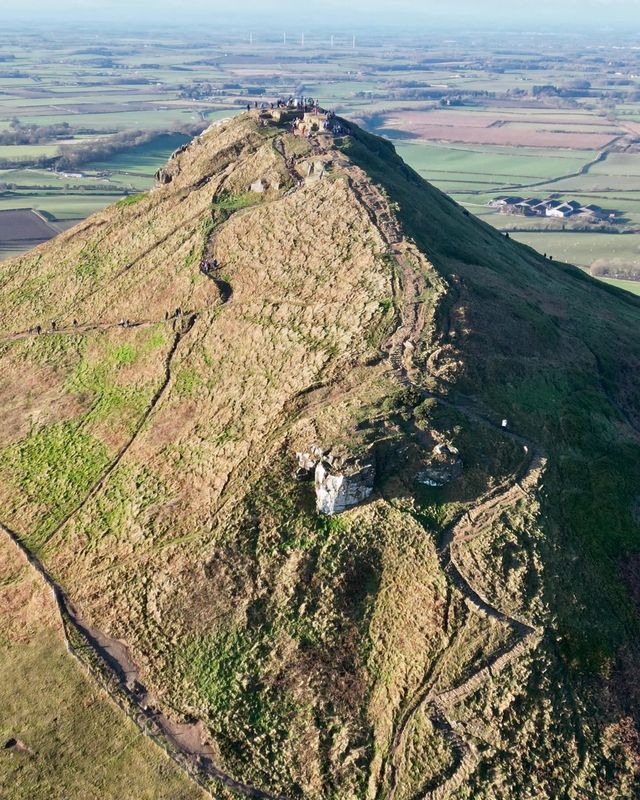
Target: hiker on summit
[(38, 329), (53, 325)]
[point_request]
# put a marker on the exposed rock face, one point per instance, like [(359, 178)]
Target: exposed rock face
[(336, 491), (341, 481), (163, 177), (445, 466)]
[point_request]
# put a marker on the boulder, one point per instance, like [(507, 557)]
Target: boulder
[(163, 176), (444, 466), (338, 490), (340, 480)]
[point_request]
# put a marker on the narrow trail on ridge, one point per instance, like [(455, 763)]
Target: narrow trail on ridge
[(187, 740), (186, 324), (469, 524)]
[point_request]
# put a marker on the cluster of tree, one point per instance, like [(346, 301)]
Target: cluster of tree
[(18, 133), (445, 96), (92, 51), (574, 88), (618, 82), (203, 90), (71, 157), (198, 90), (103, 62), (206, 62), (409, 84), (629, 272)]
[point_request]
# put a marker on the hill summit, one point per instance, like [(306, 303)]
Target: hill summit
[(336, 486)]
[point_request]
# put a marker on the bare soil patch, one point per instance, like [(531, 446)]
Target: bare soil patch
[(476, 128), (24, 227)]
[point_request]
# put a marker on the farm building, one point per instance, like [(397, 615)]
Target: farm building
[(503, 201), (533, 206), (561, 211)]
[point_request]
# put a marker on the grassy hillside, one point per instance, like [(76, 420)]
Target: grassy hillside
[(62, 737), (553, 351), (472, 641)]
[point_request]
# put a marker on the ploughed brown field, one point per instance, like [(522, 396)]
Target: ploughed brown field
[(23, 225), (478, 128)]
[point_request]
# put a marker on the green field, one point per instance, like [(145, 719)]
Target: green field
[(496, 165), (145, 159), (586, 249), (64, 83), (629, 286)]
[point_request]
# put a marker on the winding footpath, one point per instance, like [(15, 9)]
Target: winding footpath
[(468, 525), (186, 741)]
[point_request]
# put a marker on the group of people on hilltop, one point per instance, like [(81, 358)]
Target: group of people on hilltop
[(330, 125), (298, 103)]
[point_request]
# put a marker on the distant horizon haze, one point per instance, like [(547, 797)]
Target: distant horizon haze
[(409, 15)]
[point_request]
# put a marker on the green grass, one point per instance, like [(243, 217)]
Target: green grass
[(84, 747), (494, 165), (629, 286), (131, 199), (235, 202), (564, 404), (586, 249), (53, 467), (143, 159)]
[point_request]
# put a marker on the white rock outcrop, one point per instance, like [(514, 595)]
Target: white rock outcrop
[(338, 491), (340, 482), (444, 466)]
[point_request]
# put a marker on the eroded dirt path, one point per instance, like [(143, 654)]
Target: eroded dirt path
[(187, 739), (183, 327), (469, 524)]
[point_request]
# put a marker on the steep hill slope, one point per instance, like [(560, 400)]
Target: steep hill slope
[(473, 638)]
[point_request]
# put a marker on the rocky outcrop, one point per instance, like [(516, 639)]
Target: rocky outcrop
[(341, 481), (163, 176), (444, 466)]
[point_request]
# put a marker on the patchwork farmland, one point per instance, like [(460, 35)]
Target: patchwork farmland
[(555, 119)]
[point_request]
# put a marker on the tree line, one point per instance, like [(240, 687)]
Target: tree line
[(72, 156)]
